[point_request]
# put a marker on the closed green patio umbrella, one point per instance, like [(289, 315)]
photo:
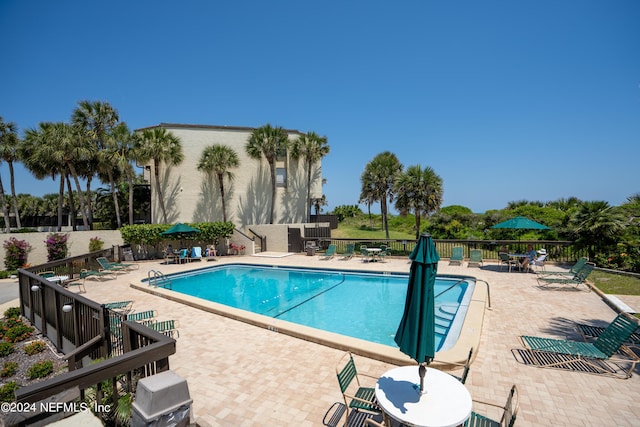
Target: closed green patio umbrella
[(416, 333)]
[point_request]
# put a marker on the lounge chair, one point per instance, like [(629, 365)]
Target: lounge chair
[(166, 327), (507, 418), (355, 397), (98, 274), (329, 253), (349, 251), (608, 347), (196, 253), (570, 273), (116, 265), (580, 278), (475, 258), (457, 255), (106, 265), (506, 260), (142, 316), (591, 332), (123, 307)]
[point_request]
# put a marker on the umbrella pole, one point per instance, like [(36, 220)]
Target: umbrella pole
[(422, 371)]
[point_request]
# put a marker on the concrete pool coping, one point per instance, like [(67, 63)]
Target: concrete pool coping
[(469, 337)]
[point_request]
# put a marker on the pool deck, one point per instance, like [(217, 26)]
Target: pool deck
[(242, 375)]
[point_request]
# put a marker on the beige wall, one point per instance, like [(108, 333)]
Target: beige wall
[(78, 243), (193, 196)]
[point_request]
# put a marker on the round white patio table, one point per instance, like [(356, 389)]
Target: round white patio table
[(446, 402)]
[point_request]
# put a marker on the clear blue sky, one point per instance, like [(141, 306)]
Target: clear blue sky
[(506, 100)]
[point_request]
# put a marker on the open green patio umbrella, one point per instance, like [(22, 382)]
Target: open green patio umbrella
[(521, 223), (179, 231), (416, 333)]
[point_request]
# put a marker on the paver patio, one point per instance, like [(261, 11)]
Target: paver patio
[(243, 375)]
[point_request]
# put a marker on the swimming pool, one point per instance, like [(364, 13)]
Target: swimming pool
[(366, 306)]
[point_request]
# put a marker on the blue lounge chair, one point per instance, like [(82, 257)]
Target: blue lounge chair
[(106, 265), (580, 278), (475, 258)]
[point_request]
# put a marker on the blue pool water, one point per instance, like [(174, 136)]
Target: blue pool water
[(360, 305)]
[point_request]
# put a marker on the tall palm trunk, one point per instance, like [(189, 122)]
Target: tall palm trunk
[(5, 209), (83, 204), (309, 192), (60, 201), (224, 204), (385, 220), (130, 182), (72, 204), (160, 196), (272, 168), (114, 194), (13, 195)]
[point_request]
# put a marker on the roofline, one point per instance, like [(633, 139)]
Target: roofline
[(219, 127)]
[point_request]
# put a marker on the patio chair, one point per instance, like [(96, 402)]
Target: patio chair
[(537, 265), (356, 397), (384, 251), (506, 260), (572, 271), (349, 251), (507, 418), (475, 258), (465, 371), (608, 347), (366, 255), (183, 256), (580, 278), (457, 255), (329, 253)]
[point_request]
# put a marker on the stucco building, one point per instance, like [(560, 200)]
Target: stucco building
[(194, 196)]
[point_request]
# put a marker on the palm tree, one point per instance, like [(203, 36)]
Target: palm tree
[(218, 159), (311, 148), (122, 144), (9, 147), (269, 142), (598, 226), (379, 176), (96, 121), (60, 145), (418, 190), (159, 146)]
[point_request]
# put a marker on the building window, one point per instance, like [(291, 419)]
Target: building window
[(281, 177)]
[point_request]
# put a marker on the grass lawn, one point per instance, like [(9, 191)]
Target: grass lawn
[(619, 284)]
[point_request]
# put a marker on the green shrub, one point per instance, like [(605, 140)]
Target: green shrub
[(15, 330), (95, 244), (4, 274), (8, 369), (6, 348), (40, 369), (8, 392), (12, 312), (35, 347)]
